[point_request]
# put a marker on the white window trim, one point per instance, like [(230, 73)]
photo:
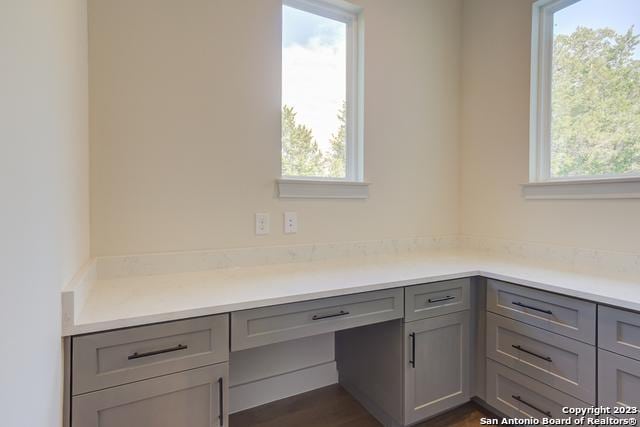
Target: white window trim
[(601, 188), (323, 187), (302, 188), (541, 185)]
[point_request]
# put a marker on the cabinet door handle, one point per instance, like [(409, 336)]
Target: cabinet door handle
[(521, 400), (328, 316), (517, 347), (412, 361), (137, 355), (541, 310), (447, 298), (221, 401)]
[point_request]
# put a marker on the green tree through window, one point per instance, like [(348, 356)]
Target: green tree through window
[(336, 161), (301, 155), (595, 126)]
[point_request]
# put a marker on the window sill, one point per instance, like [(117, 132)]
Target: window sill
[(321, 189), (605, 188)]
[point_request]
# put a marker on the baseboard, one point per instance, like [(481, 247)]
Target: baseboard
[(256, 393)]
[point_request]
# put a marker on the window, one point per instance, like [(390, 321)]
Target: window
[(321, 105), (585, 91)]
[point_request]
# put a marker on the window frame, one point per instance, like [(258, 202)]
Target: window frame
[(351, 15), (541, 184), (541, 69)]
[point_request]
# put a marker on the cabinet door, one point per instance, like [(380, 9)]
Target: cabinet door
[(436, 365), (194, 398), (618, 382)]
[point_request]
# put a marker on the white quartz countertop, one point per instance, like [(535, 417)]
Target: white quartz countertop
[(137, 300)]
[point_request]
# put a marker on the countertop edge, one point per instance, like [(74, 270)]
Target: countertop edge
[(71, 328), (81, 329)]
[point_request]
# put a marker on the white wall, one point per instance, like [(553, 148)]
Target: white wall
[(185, 125), (44, 192), (495, 144), (185, 141)]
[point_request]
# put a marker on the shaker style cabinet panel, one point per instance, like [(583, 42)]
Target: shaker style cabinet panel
[(619, 331), (436, 365), (194, 398), (436, 299), (618, 382), (519, 396), (563, 315), (123, 356), (560, 362), (269, 325)]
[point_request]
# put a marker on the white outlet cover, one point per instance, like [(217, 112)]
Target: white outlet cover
[(290, 222), (262, 224)]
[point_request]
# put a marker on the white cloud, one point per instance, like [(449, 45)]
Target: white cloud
[(314, 83)]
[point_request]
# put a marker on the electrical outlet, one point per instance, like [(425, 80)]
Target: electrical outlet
[(290, 222), (262, 223)]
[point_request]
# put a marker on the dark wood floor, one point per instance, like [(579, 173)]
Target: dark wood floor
[(333, 406)]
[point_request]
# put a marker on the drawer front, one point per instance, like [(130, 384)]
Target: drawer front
[(566, 316), (118, 357), (619, 331), (263, 326), (519, 396), (436, 299), (618, 382), (560, 362), (194, 398)]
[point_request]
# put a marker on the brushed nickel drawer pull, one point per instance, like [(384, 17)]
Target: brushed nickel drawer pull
[(447, 298), (521, 400), (517, 347), (519, 304), (328, 316), (137, 355)]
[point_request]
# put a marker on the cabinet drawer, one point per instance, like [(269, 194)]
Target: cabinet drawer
[(519, 396), (618, 382), (619, 331), (560, 362), (118, 357), (194, 398), (566, 316), (262, 326), (435, 299)]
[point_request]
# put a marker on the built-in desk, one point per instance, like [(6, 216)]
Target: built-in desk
[(414, 337)]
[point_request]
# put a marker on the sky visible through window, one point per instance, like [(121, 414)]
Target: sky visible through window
[(314, 71), (619, 15)]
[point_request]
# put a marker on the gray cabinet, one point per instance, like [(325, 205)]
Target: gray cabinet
[(194, 398), (436, 365), (563, 315), (163, 375), (618, 382), (123, 356), (560, 362), (519, 396), (269, 325), (406, 372), (436, 299), (619, 331)]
